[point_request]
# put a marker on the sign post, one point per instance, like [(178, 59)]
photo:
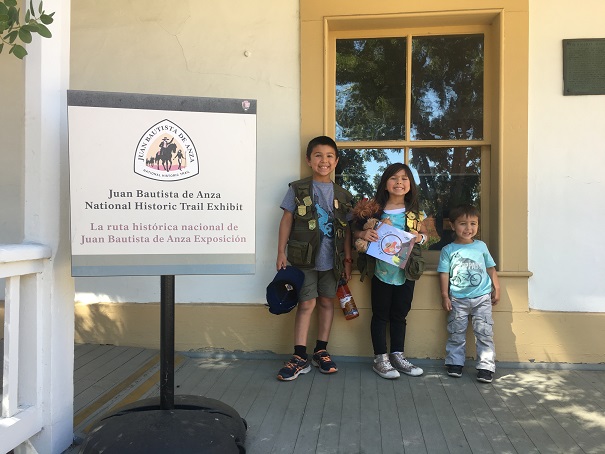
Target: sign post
[(149, 196)]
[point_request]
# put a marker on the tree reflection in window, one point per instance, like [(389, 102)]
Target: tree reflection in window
[(446, 104)]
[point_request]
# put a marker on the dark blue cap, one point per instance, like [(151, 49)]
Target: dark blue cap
[(282, 292)]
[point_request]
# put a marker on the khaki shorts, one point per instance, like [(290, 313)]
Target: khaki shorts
[(317, 283)]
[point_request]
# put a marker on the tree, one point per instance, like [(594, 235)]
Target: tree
[(12, 31)]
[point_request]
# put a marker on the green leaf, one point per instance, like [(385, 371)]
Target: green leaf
[(12, 36), (44, 31), (1, 46), (31, 27), (3, 8), (13, 15), (3, 17), (40, 10), (27, 16), (25, 35), (10, 2), (31, 7), (46, 19), (19, 51)]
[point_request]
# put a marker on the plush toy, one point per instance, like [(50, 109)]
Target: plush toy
[(367, 209)]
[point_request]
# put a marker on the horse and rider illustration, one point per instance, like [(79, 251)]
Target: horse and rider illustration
[(164, 155)]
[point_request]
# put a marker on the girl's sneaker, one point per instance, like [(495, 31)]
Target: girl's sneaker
[(294, 368), (383, 367), (400, 363)]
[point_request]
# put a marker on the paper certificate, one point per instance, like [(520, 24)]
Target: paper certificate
[(393, 245)]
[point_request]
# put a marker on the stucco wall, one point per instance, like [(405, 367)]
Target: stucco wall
[(11, 134), (199, 49), (566, 162)]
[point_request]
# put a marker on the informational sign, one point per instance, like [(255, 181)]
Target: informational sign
[(584, 66), (393, 245), (161, 185)]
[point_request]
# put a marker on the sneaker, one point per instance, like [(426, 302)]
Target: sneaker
[(322, 360), (294, 368), (454, 371), (383, 367), (485, 375), (400, 363)]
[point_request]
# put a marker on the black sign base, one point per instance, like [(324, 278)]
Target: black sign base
[(195, 425)]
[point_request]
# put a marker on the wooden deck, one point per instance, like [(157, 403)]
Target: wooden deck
[(355, 411)]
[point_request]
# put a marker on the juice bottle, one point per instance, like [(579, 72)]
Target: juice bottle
[(347, 303)]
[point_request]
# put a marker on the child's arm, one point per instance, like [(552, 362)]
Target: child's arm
[(421, 233), (495, 285), (444, 283), (285, 227), (348, 259)]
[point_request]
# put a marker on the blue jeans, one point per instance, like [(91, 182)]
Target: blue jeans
[(480, 311)]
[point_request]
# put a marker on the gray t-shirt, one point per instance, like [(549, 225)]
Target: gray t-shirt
[(323, 199)]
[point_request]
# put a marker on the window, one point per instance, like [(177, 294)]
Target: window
[(416, 97)]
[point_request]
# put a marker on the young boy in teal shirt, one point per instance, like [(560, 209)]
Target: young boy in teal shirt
[(469, 286)]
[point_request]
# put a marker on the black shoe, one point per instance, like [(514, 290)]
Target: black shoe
[(484, 375), (294, 368), (454, 371)]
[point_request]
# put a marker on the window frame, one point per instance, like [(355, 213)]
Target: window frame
[(505, 116), (407, 143)]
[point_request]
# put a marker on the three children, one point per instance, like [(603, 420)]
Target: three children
[(315, 228)]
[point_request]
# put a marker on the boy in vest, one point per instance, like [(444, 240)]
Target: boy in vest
[(315, 228), (469, 286)]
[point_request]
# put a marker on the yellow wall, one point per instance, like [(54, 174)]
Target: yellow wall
[(520, 335)]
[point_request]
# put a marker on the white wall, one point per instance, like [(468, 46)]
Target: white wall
[(197, 49), (566, 165)]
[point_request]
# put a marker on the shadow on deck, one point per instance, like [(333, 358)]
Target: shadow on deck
[(554, 409)]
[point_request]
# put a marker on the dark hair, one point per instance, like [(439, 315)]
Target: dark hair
[(464, 210), (411, 198), (321, 140)]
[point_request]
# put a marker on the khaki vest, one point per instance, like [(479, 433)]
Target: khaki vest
[(303, 243)]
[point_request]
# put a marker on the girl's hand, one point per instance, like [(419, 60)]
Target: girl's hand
[(369, 235)]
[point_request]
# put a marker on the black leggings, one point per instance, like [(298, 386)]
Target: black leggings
[(390, 304)]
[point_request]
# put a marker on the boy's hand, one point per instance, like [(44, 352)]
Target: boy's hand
[(446, 303), (495, 296), (282, 261), (347, 273)]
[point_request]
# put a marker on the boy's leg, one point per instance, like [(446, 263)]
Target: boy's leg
[(483, 326), (302, 321), (300, 363), (326, 288), (325, 315), (457, 323)]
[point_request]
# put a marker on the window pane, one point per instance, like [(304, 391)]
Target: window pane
[(447, 87), (448, 177), (359, 170), (370, 89)]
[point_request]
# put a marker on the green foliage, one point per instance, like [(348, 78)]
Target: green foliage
[(12, 31)]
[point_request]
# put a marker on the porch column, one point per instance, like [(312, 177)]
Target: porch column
[(46, 219)]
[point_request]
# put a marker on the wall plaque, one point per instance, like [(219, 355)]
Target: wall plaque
[(584, 66)]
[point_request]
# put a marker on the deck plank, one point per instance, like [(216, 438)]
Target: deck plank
[(356, 411)]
